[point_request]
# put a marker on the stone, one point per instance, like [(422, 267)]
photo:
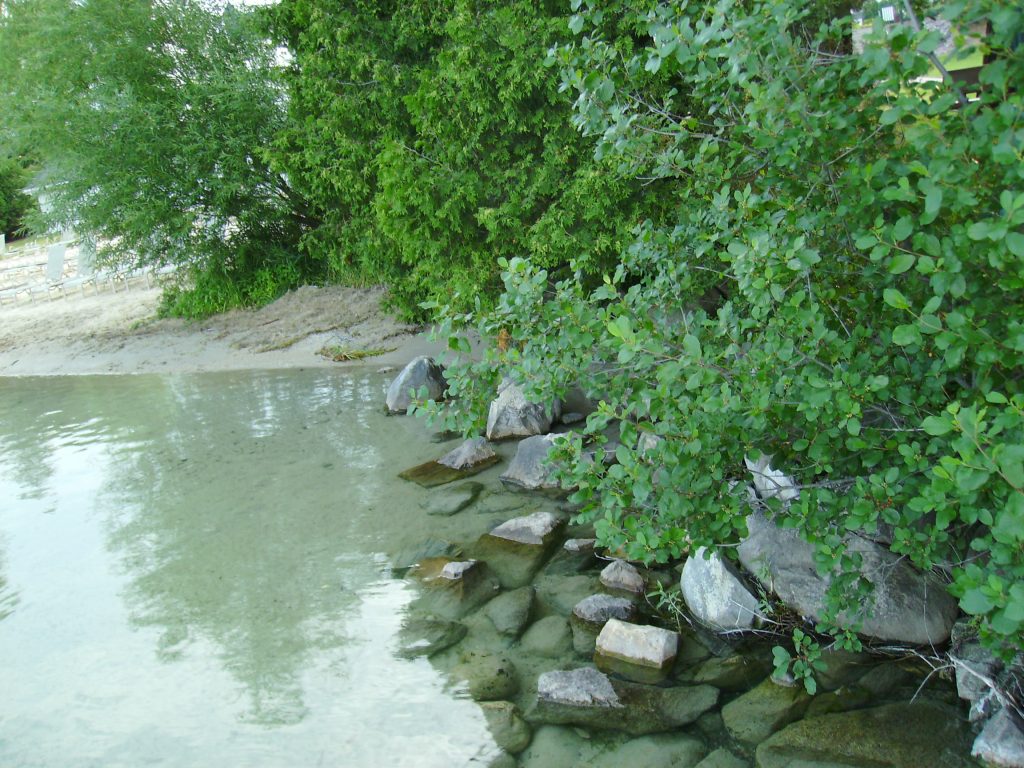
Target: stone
[(737, 672), (517, 548), (906, 606), (640, 653), (620, 576), (510, 611), (722, 758), (590, 615), (450, 501), (580, 546), (590, 699), (455, 587), (549, 637), (472, 453), (769, 482), (428, 636), (716, 595), (506, 724), (1001, 742), (530, 468), (661, 750), (560, 593), (761, 711), (841, 668), (840, 700), (555, 746), (535, 530), (512, 415), (977, 669), (488, 676), (921, 735), (410, 557), (420, 372)]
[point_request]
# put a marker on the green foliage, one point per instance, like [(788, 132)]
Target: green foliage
[(802, 663), (840, 285), (433, 142), (15, 205), (150, 121)]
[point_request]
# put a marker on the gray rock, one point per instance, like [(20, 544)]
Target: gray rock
[(512, 415), (758, 713), (560, 593), (410, 557), (427, 636), (530, 468), (715, 595), (555, 746), (509, 612), (471, 453), (506, 724), (580, 546), (549, 637), (590, 699), (535, 530), (1001, 742), (722, 758), (639, 653), (620, 576), (488, 676), (590, 615), (769, 482), (841, 668), (516, 549), (576, 401), (661, 750), (921, 735), (976, 668), (450, 501), (455, 587), (907, 606), (738, 672), (422, 371)]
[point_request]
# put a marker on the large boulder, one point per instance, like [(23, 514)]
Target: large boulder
[(516, 549), (920, 735), (588, 698), (530, 469), (761, 711), (512, 415), (640, 653), (906, 605), (716, 595), (404, 390)]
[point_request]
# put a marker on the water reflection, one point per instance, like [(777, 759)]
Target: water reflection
[(224, 527)]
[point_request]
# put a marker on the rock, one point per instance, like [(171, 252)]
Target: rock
[(502, 760), (579, 546), (550, 637), (721, 758), (590, 615), (635, 652), (716, 595), (576, 401), (512, 415), (452, 500), (907, 606), (840, 700), (769, 482), (510, 731), (738, 672), (456, 587), (410, 557), (432, 474), (883, 678), (620, 576), (472, 453), (561, 593), (556, 747), (974, 664), (517, 548), (427, 636), (1001, 742), (590, 699), (918, 735), (530, 469), (761, 711), (421, 372), (571, 417), (841, 668), (657, 751), (509, 612), (488, 676)]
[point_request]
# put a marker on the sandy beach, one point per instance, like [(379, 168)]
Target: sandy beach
[(118, 333)]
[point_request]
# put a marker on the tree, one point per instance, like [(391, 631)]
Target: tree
[(151, 122), (15, 205), (840, 287)]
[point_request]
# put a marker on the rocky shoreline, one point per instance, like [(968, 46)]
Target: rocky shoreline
[(575, 659)]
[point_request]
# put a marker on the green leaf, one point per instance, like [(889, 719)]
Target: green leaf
[(895, 299), (901, 262), (975, 602), (932, 205), (1015, 243), (853, 426), (978, 231), (901, 229), (1010, 458), (691, 346), (937, 425), (576, 23), (906, 335)]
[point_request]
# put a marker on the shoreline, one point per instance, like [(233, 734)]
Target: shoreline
[(111, 333)]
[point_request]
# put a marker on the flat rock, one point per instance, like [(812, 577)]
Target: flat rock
[(716, 595), (427, 636), (1001, 742), (472, 453), (511, 733), (579, 546), (510, 611), (549, 637), (431, 474), (737, 672), (420, 372), (530, 468), (662, 750), (451, 501), (597, 609), (455, 587), (921, 735), (640, 653), (761, 711), (512, 415), (620, 576), (907, 606), (533, 530), (410, 557)]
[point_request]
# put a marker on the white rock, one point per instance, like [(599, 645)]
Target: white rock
[(645, 646), (469, 454), (584, 687), (715, 595), (1000, 743), (533, 529), (771, 482)]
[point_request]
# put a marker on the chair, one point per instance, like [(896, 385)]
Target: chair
[(86, 268)]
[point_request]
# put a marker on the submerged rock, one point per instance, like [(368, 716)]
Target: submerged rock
[(517, 548), (580, 546), (427, 636), (758, 713), (506, 724), (488, 676), (639, 653), (530, 469), (420, 372), (512, 415), (906, 605), (620, 576), (455, 587), (722, 758), (716, 595), (590, 699), (549, 637), (509, 612), (921, 735), (661, 750), (472, 453), (451, 501), (410, 557), (736, 672)]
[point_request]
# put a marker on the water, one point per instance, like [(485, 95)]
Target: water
[(193, 571)]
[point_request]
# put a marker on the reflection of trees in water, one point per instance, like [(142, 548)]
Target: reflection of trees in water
[(229, 528), (8, 596)]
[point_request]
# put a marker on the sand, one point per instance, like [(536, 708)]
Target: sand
[(118, 333)]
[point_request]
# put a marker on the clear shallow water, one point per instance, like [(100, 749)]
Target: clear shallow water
[(192, 572)]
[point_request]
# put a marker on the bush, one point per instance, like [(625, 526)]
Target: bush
[(839, 286), (15, 205)]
